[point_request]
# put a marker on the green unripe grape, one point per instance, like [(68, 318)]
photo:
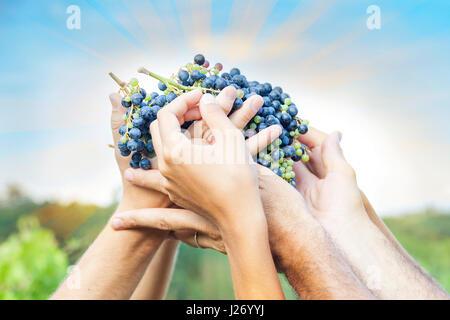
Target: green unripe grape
[(296, 131), (134, 82), (262, 154), (196, 67), (287, 101), (204, 70), (127, 99), (288, 169), (290, 162), (267, 157), (124, 117), (285, 165), (275, 165), (253, 125), (215, 71), (284, 108), (240, 93), (305, 157), (292, 133), (130, 125), (123, 139), (292, 174), (297, 145), (281, 161), (269, 148), (306, 122), (278, 142), (299, 151), (257, 119), (283, 175), (189, 65), (282, 169)]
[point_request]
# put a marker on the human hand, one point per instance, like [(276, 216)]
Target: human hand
[(328, 183)]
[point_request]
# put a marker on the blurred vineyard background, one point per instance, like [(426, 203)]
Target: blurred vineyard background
[(40, 240)]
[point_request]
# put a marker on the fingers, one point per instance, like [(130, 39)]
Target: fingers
[(241, 117), (150, 179), (169, 219), (333, 157), (226, 98), (313, 138), (116, 115), (261, 140), (171, 116), (203, 240), (213, 114), (304, 177)]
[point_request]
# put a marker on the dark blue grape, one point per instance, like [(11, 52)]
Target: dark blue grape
[(170, 97), (187, 124), (143, 103), (237, 103), (122, 146), (153, 95), (267, 102), (277, 155), (262, 126), (122, 129), (220, 84), (136, 99), (255, 90), (162, 86), (159, 101), (134, 133), (183, 75), (276, 104), (125, 152), (292, 110), (274, 95), (149, 147), (292, 125), (138, 122), (284, 96), (277, 171), (140, 145), (209, 83), (271, 120), (146, 113), (126, 104), (154, 112), (289, 151), (296, 158), (239, 80), (234, 72), (280, 91), (136, 157), (132, 145), (285, 119), (263, 162), (303, 128), (143, 92), (197, 75), (134, 164), (226, 76), (145, 164), (199, 59)]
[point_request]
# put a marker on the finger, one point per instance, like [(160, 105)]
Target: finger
[(171, 117), (149, 179), (332, 155), (242, 116), (156, 138), (163, 219), (213, 114), (261, 140), (203, 241), (226, 98), (313, 138), (304, 178), (116, 115)]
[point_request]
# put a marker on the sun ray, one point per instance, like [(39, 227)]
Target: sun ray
[(201, 12)]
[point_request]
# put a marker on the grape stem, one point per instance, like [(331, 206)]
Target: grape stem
[(172, 84), (122, 84)]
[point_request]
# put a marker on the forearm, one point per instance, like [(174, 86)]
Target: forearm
[(155, 282), (115, 262), (314, 267), (252, 268), (378, 263)]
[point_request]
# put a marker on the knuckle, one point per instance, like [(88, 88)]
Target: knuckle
[(163, 224)]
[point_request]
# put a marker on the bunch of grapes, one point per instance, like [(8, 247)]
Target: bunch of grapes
[(278, 109)]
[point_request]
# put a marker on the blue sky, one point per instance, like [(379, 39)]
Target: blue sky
[(387, 90)]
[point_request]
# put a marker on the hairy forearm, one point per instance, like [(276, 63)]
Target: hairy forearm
[(155, 282), (379, 264), (314, 267)]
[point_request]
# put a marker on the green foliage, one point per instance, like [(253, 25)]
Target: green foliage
[(31, 264)]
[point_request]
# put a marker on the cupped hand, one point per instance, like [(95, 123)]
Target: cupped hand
[(328, 183)]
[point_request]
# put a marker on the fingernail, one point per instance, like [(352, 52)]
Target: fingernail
[(129, 175), (230, 93), (117, 223), (208, 99)]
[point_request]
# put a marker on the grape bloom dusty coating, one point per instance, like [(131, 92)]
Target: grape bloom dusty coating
[(278, 109)]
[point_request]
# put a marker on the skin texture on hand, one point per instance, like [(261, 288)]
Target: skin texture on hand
[(186, 180), (329, 187)]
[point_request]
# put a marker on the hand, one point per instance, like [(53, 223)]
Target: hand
[(328, 184)]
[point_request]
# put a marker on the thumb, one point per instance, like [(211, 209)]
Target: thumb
[(116, 115), (332, 155), (213, 114)]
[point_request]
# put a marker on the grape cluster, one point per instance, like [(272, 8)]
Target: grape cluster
[(278, 109)]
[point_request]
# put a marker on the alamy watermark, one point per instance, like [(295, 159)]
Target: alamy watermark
[(374, 20), (73, 22)]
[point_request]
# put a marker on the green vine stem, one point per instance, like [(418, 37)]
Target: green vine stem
[(173, 84)]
